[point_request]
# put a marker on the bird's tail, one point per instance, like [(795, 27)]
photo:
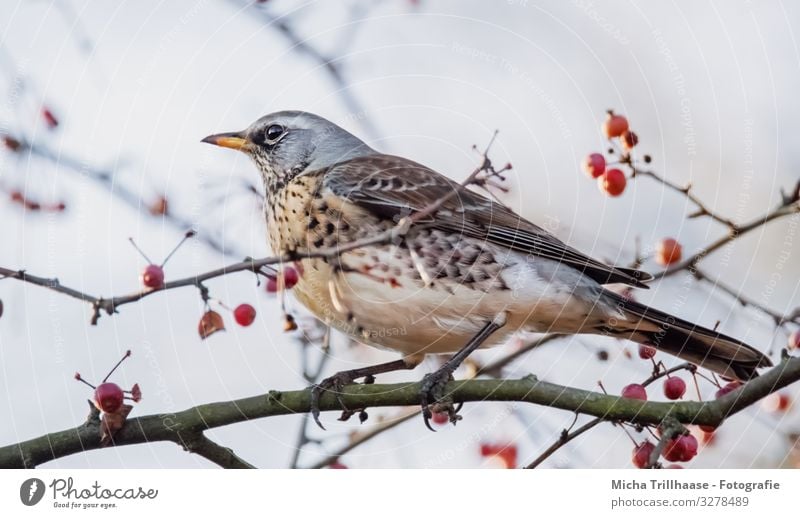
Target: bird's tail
[(722, 354)]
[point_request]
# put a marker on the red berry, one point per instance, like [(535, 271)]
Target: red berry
[(681, 449), (646, 351), (776, 402), (153, 276), (628, 140), (612, 182), (594, 164), (634, 391), (49, 118), (289, 278), (108, 397), (615, 125), (641, 454), (244, 314), (707, 428), (794, 340), (440, 418), (336, 465), (11, 143), (730, 387), (668, 251), (674, 388)]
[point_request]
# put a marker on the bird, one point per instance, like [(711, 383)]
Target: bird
[(465, 272)]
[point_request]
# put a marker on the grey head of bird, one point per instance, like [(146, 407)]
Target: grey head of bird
[(287, 143)]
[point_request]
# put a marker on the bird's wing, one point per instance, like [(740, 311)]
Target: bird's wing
[(392, 187)]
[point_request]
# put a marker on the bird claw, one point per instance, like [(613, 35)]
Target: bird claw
[(432, 395), (333, 384)]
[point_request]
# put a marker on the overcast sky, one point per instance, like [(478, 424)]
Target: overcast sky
[(710, 87)]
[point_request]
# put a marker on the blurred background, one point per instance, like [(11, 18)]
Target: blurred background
[(108, 102)]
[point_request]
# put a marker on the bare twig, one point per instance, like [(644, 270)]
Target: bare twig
[(567, 435), (219, 455)]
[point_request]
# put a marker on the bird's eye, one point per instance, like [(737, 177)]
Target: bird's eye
[(274, 132)]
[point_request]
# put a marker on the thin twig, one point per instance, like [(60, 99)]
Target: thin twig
[(567, 436)]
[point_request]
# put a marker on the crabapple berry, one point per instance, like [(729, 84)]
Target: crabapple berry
[(594, 164), (153, 276), (634, 391), (730, 387), (244, 314), (646, 351), (681, 449), (668, 251), (794, 340), (108, 397), (628, 140), (641, 454), (674, 388), (289, 275), (776, 402), (612, 182), (440, 418), (614, 125)]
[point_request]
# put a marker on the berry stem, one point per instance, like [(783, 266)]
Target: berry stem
[(186, 236), (127, 353), (79, 378), (140, 250)]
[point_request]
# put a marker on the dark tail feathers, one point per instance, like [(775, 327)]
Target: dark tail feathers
[(722, 354)]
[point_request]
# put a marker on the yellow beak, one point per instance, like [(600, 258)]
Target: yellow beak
[(233, 140)]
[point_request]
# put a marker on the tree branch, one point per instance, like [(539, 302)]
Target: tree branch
[(219, 455), (188, 423)]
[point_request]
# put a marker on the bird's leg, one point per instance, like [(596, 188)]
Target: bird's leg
[(433, 384), (337, 382)]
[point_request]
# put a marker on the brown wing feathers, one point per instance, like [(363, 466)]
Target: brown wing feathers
[(389, 185)]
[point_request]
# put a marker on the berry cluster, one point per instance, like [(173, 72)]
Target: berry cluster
[(612, 180)]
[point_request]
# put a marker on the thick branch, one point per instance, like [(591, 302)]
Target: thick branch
[(188, 423)]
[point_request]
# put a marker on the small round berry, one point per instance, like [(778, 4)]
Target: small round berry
[(634, 391), (612, 182), (641, 454), (776, 403), (668, 251), (153, 276), (440, 418), (628, 140), (614, 125), (730, 387), (594, 165), (681, 449), (646, 351), (707, 428), (794, 340), (288, 277), (674, 388), (108, 397), (244, 314)]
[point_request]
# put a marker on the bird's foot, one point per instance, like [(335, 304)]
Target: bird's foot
[(335, 384), (433, 397)]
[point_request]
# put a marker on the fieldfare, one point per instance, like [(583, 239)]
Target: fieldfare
[(464, 276)]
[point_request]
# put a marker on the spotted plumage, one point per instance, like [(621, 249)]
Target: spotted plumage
[(473, 268)]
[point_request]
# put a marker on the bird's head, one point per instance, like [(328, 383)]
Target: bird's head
[(285, 144)]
